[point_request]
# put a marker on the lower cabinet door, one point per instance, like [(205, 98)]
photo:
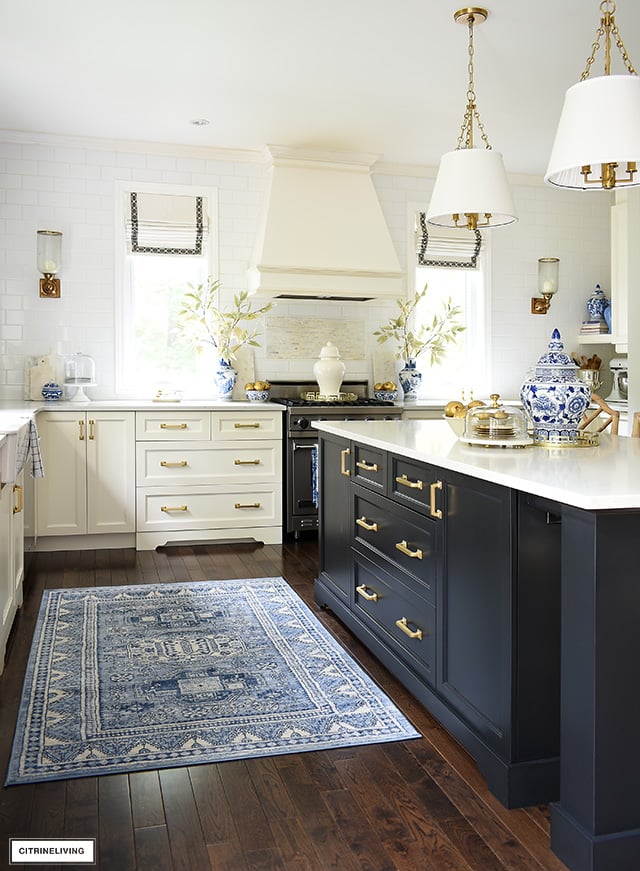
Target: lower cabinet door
[(395, 611), (334, 513)]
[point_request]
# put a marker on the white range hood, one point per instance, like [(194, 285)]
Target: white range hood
[(323, 234)]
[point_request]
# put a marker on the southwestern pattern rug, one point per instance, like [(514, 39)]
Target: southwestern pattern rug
[(164, 675)]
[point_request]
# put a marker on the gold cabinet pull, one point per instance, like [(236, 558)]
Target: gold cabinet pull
[(168, 508), (364, 523), (20, 504), (403, 547), (81, 425), (343, 462), (368, 467), (413, 485), (246, 462), (247, 505), (254, 425), (435, 512), (403, 625), (92, 434), (174, 426), (167, 465), (364, 592)]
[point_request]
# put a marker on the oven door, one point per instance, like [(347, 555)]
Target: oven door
[(302, 465)]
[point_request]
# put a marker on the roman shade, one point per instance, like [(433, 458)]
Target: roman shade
[(166, 224), (447, 248)]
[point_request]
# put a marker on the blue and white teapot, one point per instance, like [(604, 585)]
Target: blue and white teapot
[(555, 398)]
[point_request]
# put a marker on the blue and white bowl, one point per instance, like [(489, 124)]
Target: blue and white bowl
[(257, 395), (385, 395)]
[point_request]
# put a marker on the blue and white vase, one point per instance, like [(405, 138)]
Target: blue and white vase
[(555, 398), (224, 378), (597, 304), (410, 379), (51, 391)]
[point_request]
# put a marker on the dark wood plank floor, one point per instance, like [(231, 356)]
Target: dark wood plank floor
[(411, 805)]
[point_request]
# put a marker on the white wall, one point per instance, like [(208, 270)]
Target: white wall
[(49, 184)]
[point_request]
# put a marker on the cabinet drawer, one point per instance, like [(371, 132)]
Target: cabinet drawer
[(173, 425), (162, 463), (406, 621), (369, 467), (405, 539), (161, 509), (411, 484), (230, 426)]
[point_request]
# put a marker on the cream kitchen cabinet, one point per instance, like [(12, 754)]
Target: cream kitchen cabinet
[(89, 482), (208, 476), (11, 557)]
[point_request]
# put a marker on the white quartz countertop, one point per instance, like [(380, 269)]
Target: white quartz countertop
[(593, 478), (27, 407)]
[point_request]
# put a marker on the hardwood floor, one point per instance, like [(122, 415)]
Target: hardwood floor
[(411, 805)]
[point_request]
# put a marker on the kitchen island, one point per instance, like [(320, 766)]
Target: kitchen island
[(501, 586)]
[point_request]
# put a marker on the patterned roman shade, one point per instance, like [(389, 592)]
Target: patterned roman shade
[(448, 248), (166, 224)]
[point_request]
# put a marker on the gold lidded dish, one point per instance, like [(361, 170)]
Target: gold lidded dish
[(496, 425)]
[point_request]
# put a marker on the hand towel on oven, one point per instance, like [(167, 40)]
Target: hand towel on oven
[(314, 475)]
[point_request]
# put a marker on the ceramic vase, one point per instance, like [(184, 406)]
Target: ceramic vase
[(410, 379), (224, 378), (597, 304), (329, 370), (555, 398)]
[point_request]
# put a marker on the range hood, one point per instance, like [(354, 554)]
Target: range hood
[(323, 234)]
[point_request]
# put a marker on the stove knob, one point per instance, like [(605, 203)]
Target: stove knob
[(302, 423)]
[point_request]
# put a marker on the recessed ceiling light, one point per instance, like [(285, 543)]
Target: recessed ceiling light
[(200, 122)]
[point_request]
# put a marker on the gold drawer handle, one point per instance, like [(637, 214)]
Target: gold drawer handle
[(168, 508), (368, 467), (174, 425), (246, 462), (364, 592), (247, 505), (403, 547), (413, 485), (20, 505), (92, 434), (403, 625), (247, 425), (364, 523), (343, 462), (167, 465), (81, 425), (435, 512)]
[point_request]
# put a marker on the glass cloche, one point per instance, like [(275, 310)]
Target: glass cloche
[(79, 372), (496, 424)]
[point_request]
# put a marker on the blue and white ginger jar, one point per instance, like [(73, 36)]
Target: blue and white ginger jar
[(52, 391), (555, 398), (597, 304), (410, 379)]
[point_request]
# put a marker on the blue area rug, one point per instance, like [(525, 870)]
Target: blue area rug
[(164, 675)]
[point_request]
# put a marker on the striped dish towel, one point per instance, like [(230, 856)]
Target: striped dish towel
[(37, 468)]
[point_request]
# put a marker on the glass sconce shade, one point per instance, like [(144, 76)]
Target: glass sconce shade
[(548, 269), (471, 181), (599, 127), (49, 251)]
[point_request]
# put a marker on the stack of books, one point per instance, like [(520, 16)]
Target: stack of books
[(591, 327)]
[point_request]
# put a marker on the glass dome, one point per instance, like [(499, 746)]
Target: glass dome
[(80, 369), (495, 423)]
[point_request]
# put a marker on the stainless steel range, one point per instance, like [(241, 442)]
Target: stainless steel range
[(301, 439)]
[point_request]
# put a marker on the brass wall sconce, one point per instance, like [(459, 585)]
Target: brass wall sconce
[(49, 258), (548, 269)]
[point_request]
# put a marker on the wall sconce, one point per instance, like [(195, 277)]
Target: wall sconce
[(548, 268), (49, 250)]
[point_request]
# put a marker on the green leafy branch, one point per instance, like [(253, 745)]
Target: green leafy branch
[(203, 319), (434, 337)]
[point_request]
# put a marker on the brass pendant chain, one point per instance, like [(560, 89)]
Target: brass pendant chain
[(607, 27), (465, 139)]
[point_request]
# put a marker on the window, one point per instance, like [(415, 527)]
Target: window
[(165, 237), (461, 274)]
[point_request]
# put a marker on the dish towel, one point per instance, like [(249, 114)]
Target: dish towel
[(37, 467), (314, 475)]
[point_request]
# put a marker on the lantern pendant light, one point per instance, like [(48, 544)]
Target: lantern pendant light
[(471, 189), (597, 144)]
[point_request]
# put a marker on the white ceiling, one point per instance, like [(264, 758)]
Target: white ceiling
[(382, 76)]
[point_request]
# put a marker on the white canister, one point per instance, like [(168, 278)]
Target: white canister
[(329, 370)]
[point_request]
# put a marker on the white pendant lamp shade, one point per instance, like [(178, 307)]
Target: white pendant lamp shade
[(600, 123), (471, 181)]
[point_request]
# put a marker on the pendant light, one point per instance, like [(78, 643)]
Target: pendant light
[(597, 144), (471, 189)]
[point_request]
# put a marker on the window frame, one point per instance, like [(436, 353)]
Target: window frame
[(123, 301), (485, 379)]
